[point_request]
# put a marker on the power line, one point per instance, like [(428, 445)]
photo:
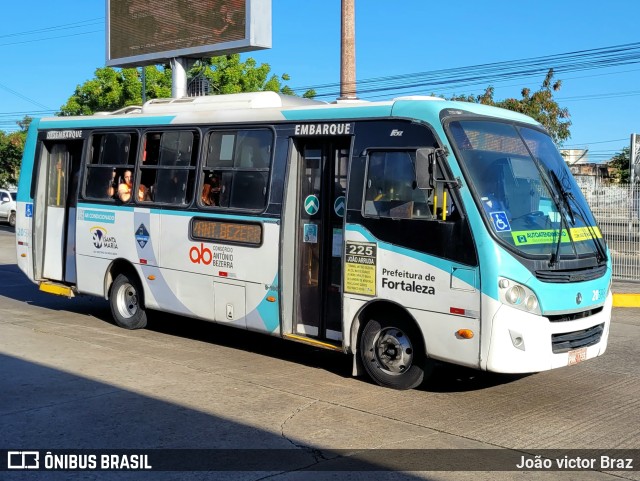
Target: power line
[(599, 96), (600, 142), (459, 77), (444, 79), (24, 97), (31, 113), (50, 38), (66, 26)]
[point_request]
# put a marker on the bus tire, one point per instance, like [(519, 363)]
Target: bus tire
[(392, 354), (126, 303), (12, 219)]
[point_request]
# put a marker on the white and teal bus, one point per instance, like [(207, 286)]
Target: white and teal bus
[(402, 233)]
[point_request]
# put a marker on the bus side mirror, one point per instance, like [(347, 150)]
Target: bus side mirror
[(425, 160)]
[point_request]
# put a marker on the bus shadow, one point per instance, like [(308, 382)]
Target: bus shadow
[(449, 378), (445, 378), (75, 413), (17, 287), (234, 338)]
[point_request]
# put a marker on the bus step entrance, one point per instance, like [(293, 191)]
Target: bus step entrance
[(314, 342), (57, 289)]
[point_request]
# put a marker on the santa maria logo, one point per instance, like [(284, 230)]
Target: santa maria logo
[(102, 241), (97, 234)]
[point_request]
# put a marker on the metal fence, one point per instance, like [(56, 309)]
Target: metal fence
[(616, 208)]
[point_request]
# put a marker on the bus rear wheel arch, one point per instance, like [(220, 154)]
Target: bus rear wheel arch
[(392, 351), (126, 302)]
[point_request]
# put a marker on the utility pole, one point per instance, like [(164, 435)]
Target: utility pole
[(348, 51), (179, 67)]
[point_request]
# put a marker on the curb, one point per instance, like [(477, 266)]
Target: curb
[(626, 300)]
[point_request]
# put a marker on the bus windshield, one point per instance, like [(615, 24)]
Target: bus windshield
[(526, 193)]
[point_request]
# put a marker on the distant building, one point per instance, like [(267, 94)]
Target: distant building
[(575, 156), (589, 175)]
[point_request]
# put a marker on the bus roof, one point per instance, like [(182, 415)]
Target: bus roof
[(271, 106)]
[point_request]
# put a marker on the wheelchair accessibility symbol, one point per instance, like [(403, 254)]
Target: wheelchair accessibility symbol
[(500, 221)]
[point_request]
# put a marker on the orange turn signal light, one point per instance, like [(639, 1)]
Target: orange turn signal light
[(464, 333), (151, 278), (271, 299)]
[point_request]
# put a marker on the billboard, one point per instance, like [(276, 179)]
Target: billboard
[(146, 32)]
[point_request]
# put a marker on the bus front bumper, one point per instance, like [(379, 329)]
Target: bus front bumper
[(522, 342)]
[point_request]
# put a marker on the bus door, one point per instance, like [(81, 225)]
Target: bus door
[(55, 205), (322, 182)]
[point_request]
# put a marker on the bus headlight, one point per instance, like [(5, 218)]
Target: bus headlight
[(515, 294), (531, 303), (518, 296)]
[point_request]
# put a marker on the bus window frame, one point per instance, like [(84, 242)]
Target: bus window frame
[(197, 145), (87, 157), (202, 168)]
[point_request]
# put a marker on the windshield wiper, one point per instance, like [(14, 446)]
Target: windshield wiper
[(601, 254), (555, 257), (567, 195), (564, 195), (560, 202)]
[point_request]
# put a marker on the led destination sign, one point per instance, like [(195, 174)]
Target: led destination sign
[(230, 232)]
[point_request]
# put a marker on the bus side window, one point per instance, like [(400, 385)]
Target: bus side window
[(109, 155), (240, 161), (167, 172), (391, 189)]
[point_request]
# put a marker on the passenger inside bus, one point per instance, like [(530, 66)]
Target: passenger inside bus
[(211, 190), (113, 185), (151, 151), (125, 188)]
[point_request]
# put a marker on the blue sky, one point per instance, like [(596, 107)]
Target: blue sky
[(392, 38)]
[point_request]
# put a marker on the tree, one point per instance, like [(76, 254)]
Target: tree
[(228, 75), (11, 148), (113, 89), (540, 105), (620, 162)]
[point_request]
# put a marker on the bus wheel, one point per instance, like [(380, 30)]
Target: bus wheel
[(126, 303), (392, 355), (12, 219)]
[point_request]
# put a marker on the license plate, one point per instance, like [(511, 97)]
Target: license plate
[(577, 355)]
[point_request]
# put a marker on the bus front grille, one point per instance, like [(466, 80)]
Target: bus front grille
[(575, 315), (573, 340), (577, 275)]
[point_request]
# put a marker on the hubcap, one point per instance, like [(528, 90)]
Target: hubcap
[(393, 351), (127, 301)]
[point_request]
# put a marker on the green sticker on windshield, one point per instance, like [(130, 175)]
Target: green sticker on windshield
[(578, 234), (523, 237)]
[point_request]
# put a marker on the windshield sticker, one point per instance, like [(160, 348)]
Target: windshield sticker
[(522, 237), (585, 233), (500, 221), (578, 234)]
